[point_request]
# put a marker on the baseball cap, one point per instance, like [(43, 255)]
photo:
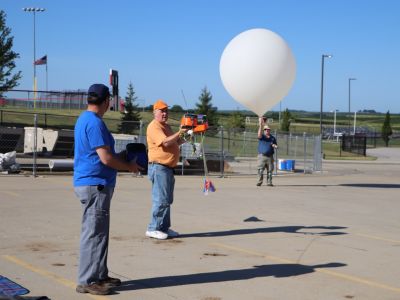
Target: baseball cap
[(159, 105), (267, 127), (98, 93)]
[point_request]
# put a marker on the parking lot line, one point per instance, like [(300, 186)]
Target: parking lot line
[(13, 194), (48, 274), (374, 237), (320, 270)]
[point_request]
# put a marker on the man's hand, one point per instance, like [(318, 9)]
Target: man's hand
[(182, 130), (115, 161), (261, 121)]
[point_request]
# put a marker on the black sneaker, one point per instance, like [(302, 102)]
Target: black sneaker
[(94, 289), (110, 282), (259, 183), (270, 184)]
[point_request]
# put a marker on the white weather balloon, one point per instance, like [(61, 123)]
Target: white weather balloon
[(257, 68)]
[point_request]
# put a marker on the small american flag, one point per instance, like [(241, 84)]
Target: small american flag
[(41, 61), (208, 186)]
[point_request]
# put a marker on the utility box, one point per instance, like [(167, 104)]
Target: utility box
[(121, 140), (29, 139)]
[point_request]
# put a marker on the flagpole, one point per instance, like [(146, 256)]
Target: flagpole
[(47, 79), (47, 85), (34, 59)]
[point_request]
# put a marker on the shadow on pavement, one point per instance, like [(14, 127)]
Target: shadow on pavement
[(288, 229), (373, 185), (275, 270)]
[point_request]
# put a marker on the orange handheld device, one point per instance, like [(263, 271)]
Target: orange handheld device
[(197, 123)]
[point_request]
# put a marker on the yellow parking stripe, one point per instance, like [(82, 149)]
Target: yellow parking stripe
[(50, 275), (374, 237), (325, 271), (11, 193)]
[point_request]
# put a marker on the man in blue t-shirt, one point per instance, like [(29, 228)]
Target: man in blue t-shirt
[(266, 148), (95, 171)]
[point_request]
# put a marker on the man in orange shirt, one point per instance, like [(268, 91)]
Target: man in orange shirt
[(163, 150)]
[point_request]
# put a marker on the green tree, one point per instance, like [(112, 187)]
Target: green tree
[(131, 115), (176, 108), (149, 107), (286, 119), (236, 122), (387, 129), (7, 57), (204, 107)]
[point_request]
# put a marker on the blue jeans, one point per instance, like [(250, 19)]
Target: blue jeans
[(162, 194), (95, 229)]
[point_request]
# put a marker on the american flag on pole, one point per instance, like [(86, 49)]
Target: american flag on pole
[(41, 61)]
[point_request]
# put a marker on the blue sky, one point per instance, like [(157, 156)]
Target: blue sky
[(165, 47)]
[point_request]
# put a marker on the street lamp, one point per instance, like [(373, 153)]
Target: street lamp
[(322, 90), (355, 120), (350, 79), (322, 94), (34, 10)]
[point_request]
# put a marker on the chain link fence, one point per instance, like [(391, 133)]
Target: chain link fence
[(228, 151), (46, 99), (238, 150)]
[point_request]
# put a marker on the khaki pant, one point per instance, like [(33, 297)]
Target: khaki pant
[(265, 162)]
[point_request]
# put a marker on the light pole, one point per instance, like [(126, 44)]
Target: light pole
[(355, 120), (322, 94), (350, 79), (34, 10)]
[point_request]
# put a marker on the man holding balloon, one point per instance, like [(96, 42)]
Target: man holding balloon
[(266, 148), (258, 68)]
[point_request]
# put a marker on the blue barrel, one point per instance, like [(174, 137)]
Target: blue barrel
[(282, 164), (290, 164)]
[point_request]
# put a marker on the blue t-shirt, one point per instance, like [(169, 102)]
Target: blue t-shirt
[(91, 133), (265, 145)]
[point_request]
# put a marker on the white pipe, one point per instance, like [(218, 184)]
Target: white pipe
[(64, 164), (334, 124)]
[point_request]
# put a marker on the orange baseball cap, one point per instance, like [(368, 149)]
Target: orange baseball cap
[(160, 105)]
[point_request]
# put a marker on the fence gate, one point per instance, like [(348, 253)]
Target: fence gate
[(355, 144)]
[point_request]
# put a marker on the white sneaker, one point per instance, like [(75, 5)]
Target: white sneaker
[(159, 235), (172, 233)]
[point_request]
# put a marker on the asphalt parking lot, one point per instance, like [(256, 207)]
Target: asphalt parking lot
[(329, 235)]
